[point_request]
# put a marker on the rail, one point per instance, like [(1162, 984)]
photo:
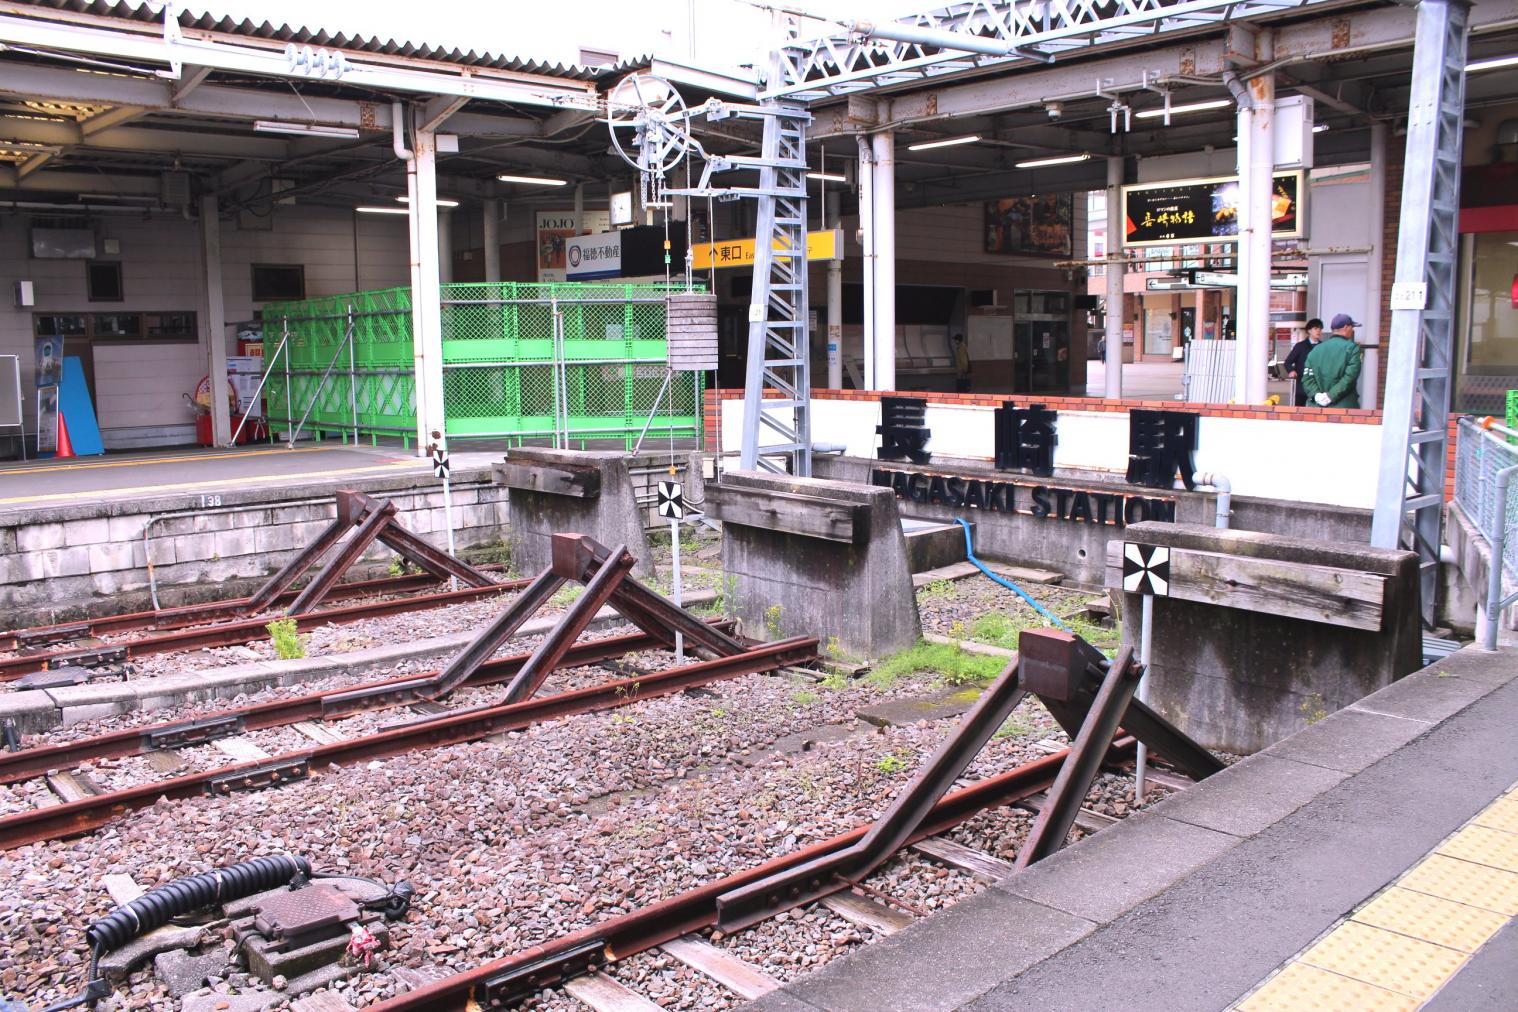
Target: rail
[(1486, 460)]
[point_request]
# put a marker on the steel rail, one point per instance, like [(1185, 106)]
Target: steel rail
[(331, 704), (198, 614), (246, 630), (78, 817), (512, 977)]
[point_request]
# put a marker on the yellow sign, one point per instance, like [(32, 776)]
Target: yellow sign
[(824, 245)]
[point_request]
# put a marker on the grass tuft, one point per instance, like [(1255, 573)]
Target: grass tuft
[(953, 665)]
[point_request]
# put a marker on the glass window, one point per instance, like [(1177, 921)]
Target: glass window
[(110, 326), (103, 281), (1493, 315)]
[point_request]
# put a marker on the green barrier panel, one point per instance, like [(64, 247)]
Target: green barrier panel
[(506, 372)]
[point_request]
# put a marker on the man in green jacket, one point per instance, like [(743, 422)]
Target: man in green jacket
[(1333, 367)]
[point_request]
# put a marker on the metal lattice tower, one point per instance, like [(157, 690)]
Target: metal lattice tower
[(1414, 432)]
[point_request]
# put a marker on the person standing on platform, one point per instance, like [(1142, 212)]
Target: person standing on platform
[(961, 364), (1333, 367), (1296, 359)]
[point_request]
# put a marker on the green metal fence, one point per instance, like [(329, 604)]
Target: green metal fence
[(573, 362)]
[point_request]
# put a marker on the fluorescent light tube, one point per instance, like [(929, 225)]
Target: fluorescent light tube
[(828, 177), (382, 210), (533, 180), (1216, 103), (266, 126), (441, 201), (926, 145), (1492, 64), (1054, 160)]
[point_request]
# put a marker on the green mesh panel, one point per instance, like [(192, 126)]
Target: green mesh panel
[(499, 371)]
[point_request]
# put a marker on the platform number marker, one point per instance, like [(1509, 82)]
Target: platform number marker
[(1146, 569), (440, 463), (671, 500)]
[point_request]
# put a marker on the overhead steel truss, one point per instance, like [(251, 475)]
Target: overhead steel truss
[(859, 55)]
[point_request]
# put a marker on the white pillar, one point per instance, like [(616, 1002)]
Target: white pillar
[(427, 336), (216, 320), (491, 233), (832, 208), (867, 261), (445, 245), (1370, 334), (1256, 167), (884, 194), (580, 208), (1112, 387)]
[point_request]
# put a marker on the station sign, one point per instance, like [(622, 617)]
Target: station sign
[(826, 244), (1046, 502), (1206, 210), (1212, 279)]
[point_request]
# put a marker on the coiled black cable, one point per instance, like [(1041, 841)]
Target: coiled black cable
[(156, 908)]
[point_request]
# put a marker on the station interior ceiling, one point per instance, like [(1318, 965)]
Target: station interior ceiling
[(65, 142)]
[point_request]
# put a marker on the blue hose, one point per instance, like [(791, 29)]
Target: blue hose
[(1014, 588)]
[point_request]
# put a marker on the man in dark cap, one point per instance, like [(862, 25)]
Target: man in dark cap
[(1296, 359), (1333, 367)]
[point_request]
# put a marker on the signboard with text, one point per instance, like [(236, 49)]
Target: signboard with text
[(554, 230), (823, 245), (1205, 210), (587, 257)]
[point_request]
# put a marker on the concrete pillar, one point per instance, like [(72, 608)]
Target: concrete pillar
[(1370, 334), (417, 327), (1112, 387), (580, 208), (833, 210), (867, 263), (216, 320), (426, 298), (445, 245), (1256, 167), (491, 232), (884, 194)]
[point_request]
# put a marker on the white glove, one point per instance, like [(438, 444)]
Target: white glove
[(1323, 399)]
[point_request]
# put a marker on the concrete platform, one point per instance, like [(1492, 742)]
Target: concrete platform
[(1198, 901)]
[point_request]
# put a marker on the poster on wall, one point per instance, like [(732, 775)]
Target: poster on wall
[(554, 230), (49, 354), (1042, 225), (1205, 210)]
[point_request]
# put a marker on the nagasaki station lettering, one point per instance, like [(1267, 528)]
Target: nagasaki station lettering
[(1045, 501)]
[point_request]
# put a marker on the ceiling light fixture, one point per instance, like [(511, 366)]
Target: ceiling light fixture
[(1215, 103), (533, 180), (383, 210), (1318, 128), (1055, 160), (828, 177), (269, 126), (1492, 64), (441, 201), (949, 143)]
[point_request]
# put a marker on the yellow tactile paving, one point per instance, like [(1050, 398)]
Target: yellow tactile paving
[(1303, 988), (1480, 845), (1475, 884), (1501, 815), (1432, 919), (1386, 959)]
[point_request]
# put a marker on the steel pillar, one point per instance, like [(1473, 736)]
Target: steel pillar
[(445, 246), (1410, 493), (216, 319), (1256, 168), (883, 192), (490, 232), (866, 178), (833, 204), (1112, 387), (426, 296)]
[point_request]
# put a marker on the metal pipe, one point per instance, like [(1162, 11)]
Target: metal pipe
[(1112, 373), (1146, 634), (867, 265), (833, 208), (884, 195), (1224, 489)]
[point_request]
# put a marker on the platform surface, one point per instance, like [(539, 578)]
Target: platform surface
[(128, 476), (1368, 862)]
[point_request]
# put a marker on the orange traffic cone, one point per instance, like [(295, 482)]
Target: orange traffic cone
[(65, 448)]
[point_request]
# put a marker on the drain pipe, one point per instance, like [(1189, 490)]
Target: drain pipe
[(1014, 588), (1220, 484)]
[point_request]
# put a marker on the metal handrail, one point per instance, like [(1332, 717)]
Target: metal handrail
[(1477, 438)]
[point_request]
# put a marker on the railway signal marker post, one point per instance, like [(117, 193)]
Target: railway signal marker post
[(672, 506), (1146, 571), (442, 468)]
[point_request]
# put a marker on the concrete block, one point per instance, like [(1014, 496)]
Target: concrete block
[(65, 562), (182, 972), (33, 710), (273, 539), (1349, 740), (1249, 796), (232, 543), (611, 517), (22, 568), (1110, 873), (113, 556), (256, 518), (36, 537), (194, 547), (128, 528), (206, 523), (792, 584), (418, 522), (92, 531)]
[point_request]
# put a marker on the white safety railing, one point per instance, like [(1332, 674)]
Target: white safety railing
[(1486, 490)]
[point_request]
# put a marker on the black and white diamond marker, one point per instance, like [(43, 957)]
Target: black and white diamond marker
[(671, 500), (1146, 569), (440, 462)]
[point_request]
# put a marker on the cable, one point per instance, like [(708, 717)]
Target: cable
[(1014, 588)]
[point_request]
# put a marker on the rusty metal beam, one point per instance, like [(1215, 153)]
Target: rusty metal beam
[(85, 815), (291, 571), (501, 628), (437, 562), (374, 521), (759, 900)]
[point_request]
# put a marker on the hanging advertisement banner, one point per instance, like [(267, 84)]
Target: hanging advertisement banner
[(49, 354), (1206, 210), (554, 230), (587, 257)]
